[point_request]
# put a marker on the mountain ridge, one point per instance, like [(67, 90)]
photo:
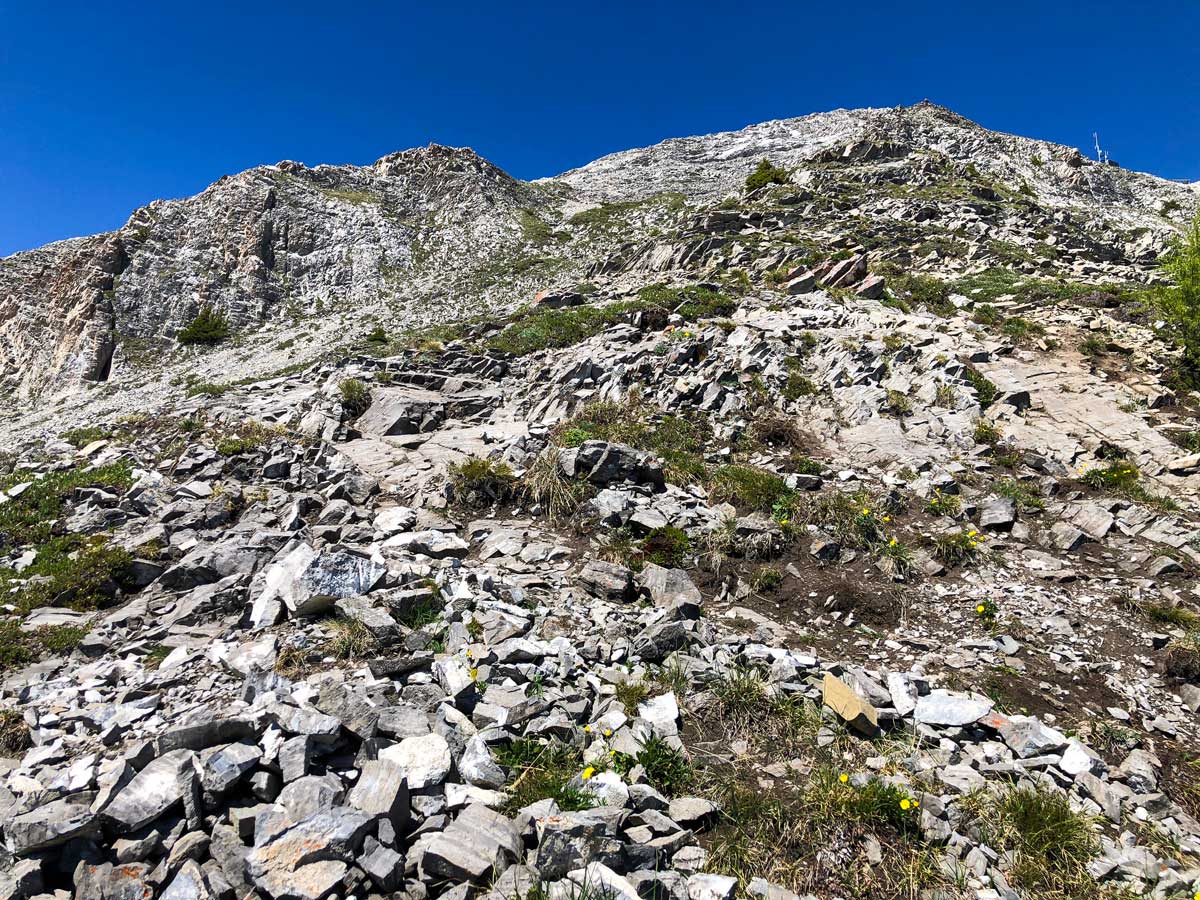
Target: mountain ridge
[(424, 233)]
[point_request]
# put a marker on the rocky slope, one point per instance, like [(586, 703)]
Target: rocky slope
[(832, 539)]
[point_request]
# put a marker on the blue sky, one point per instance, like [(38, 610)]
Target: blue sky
[(105, 107)]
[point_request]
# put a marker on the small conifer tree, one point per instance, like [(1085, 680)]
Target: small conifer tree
[(766, 174), (209, 327)]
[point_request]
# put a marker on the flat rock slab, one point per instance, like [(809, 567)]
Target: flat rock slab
[(946, 708), (849, 706), (422, 761), (152, 791)]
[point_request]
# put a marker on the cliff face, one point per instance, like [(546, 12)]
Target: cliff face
[(438, 234), (275, 240)]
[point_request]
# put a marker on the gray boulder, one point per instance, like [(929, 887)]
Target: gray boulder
[(603, 463), (671, 589), (51, 824), (159, 786)]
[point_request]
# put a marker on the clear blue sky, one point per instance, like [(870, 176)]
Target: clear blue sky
[(106, 106)]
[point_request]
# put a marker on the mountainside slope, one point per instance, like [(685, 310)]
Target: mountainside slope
[(832, 537)]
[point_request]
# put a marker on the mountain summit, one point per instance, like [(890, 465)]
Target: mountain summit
[(432, 234)]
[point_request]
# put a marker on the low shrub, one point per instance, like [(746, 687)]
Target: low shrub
[(985, 392), (764, 174), (14, 733), (355, 396), (477, 482), (209, 327)]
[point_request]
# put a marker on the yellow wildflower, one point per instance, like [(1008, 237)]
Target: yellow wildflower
[(980, 609), (474, 674), (587, 773), (906, 804), (843, 778), (587, 729)]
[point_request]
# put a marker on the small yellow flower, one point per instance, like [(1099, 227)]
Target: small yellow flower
[(469, 653), (892, 542), (980, 609), (866, 512), (783, 521), (587, 729), (916, 803), (972, 533), (608, 732), (474, 674), (843, 778), (587, 773), (906, 804), (887, 518), (612, 752)]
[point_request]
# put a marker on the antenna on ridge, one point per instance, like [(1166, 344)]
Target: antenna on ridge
[(1101, 156)]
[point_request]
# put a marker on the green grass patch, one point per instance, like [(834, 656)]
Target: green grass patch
[(73, 571), (680, 442), (81, 437), (28, 518), (1025, 495), (1051, 844), (207, 389), (478, 482), (542, 770), (749, 487)]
